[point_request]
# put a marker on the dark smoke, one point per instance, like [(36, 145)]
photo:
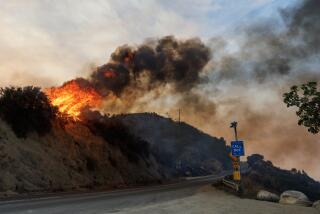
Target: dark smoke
[(305, 24), (160, 62), (115, 84)]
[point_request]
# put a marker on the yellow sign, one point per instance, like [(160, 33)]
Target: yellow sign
[(236, 168), (236, 164), (236, 175)]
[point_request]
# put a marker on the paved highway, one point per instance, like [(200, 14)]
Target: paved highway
[(106, 202)]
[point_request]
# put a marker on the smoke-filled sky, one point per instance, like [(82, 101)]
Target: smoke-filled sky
[(49, 41), (248, 52)]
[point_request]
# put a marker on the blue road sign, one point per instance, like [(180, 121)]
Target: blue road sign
[(237, 148)]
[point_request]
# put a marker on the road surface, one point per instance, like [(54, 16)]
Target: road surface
[(107, 202)]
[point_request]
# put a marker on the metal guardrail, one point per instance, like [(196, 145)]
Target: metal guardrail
[(231, 184)]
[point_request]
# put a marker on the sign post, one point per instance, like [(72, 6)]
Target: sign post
[(237, 150)]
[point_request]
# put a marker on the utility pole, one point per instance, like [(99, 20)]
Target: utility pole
[(179, 115)]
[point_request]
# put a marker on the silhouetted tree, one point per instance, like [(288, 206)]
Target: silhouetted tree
[(307, 98), (26, 110)]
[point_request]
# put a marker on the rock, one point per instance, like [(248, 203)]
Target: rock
[(294, 197), (316, 205), (267, 196)]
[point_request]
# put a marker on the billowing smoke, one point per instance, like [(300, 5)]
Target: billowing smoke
[(153, 64)]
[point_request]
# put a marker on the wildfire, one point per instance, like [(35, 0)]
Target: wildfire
[(72, 98)]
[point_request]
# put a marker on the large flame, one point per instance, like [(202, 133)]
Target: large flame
[(72, 98)]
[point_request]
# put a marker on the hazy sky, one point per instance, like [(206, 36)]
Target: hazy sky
[(45, 42)]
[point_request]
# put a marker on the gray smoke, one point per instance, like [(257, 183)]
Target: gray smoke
[(268, 53)]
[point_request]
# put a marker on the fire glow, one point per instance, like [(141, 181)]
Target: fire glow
[(71, 99), (110, 74)]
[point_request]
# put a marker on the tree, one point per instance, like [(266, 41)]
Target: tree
[(307, 98), (26, 110)]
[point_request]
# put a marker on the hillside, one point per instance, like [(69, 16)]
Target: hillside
[(182, 149), (101, 152), (68, 158)]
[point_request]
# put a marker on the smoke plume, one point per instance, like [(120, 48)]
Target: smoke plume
[(153, 64)]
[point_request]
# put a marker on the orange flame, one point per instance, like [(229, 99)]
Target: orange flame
[(72, 99), (110, 74), (129, 57)]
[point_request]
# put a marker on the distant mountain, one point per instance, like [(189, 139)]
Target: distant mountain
[(181, 149)]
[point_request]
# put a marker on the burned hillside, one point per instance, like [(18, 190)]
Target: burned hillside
[(182, 149)]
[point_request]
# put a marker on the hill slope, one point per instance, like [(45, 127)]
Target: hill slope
[(180, 148), (106, 152), (69, 157)]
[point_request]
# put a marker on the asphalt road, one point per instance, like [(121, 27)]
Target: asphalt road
[(106, 202)]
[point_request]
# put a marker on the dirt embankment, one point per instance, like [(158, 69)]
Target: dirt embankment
[(70, 157)]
